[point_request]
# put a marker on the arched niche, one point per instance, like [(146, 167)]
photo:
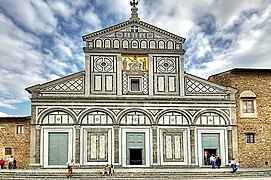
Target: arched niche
[(116, 43), (125, 44), (170, 45), (144, 44), (161, 45), (107, 43), (152, 44), (99, 43)]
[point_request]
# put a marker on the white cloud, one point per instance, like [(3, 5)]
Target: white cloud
[(37, 45), (34, 15)]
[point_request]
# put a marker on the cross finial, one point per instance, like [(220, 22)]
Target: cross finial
[(134, 15), (134, 3)]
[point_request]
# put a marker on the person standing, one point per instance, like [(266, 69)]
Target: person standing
[(218, 162), (70, 168), (212, 161), (10, 162), (2, 163)]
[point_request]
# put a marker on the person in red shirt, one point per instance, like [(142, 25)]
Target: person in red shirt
[(2, 163)]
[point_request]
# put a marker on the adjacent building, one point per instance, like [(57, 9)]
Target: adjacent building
[(253, 113), (133, 106), (15, 139)]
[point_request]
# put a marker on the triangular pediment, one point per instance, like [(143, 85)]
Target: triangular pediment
[(198, 86), (132, 30)]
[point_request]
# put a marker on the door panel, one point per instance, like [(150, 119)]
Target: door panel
[(58, 148)]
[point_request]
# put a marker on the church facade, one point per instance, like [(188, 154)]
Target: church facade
[(132, 106)]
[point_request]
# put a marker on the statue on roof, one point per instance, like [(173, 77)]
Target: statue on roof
[(133, 3)]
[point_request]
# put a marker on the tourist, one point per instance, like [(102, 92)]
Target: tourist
[(212, 161), (218, 162), (70, 168), (233, 165), (105, 170), (10, 162), (14, 164), (111, 170), (2, 163)]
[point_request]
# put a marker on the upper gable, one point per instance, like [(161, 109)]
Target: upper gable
[(134, 35)]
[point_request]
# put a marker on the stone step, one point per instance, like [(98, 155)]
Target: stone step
[(170, 174)]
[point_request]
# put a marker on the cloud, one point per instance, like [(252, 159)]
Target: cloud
[(35, 16), (41, 40)]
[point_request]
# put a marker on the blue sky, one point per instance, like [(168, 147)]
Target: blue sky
[(41, 40)]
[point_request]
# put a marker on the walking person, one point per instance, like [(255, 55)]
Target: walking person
[(233, 165), (70, 168)]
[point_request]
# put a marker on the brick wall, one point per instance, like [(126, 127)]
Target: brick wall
[(20, 143), (256, 154)]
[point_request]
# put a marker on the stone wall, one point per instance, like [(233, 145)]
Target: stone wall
[(256, 154), (20, 143)]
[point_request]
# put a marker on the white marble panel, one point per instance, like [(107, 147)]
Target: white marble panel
[(161, 84), (171, 81), (102, 147), (93, 152), (109, 83), (168, 147), (98, 83), (177, 147)]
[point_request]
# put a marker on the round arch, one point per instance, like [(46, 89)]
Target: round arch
[(136, 110), (107, 43), (53, 110), (182, 112), (214, 111), (88, 111)]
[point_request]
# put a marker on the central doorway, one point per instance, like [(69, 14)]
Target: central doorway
[(135, 156), (135, 151), (210, 146)]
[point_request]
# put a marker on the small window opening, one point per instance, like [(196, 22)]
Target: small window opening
[(19, 129), (248, 106), (250, 137), (8, 151), (135, 85)]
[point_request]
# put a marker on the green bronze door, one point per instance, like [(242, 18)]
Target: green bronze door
[(135, 151), (57, 148), (210, 145)]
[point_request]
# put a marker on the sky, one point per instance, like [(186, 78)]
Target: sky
[(41, 40)]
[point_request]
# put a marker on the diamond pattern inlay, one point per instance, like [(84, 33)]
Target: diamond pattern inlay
[(193, 86), (75, 84)]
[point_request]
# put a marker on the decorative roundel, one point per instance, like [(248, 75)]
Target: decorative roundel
[(103, 64), (166, 64)]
